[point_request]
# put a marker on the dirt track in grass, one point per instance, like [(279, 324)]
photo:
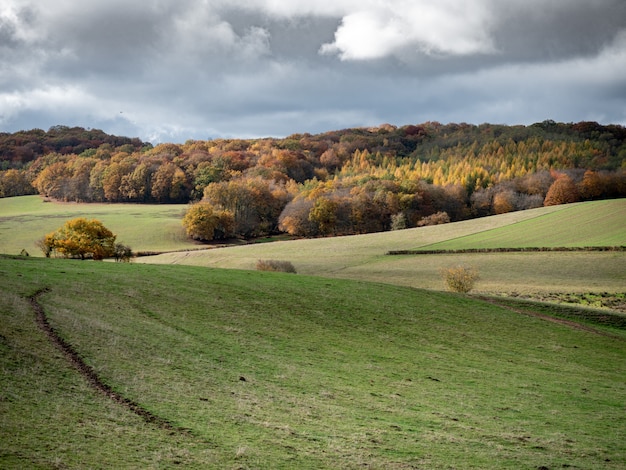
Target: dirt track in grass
[(561, 321), (87, 372)]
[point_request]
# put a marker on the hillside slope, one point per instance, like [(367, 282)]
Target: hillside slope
[(289, 371), (364, 256)]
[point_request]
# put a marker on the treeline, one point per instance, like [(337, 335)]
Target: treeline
[(21, 147), (342, 182)]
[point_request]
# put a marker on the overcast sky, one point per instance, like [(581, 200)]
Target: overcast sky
[(172, 70)]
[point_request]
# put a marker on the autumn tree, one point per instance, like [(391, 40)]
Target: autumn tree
[(294, 219), (324, 215), (14, 183), (255, 203), (208, 172), (135, 186), (169, 184), (203, 222), (80, 238), (53, 180), (81, 179), (562, 191), (591, 186), (504, 201), (112, 179)]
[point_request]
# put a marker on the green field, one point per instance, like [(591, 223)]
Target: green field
[(273, 370), (363, 257), (348, 364), (26, 219), (597, 223)]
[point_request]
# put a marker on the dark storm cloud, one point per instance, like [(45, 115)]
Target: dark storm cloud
[(173, 70)]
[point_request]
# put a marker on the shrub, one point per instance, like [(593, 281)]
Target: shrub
[(398, 221), (434, 219), (275, 265), (460, 278), (123, 253)]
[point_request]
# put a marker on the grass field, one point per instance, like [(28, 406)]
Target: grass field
[(26, 219), (363, 257), (273, 370), (23, 220), (598, 223)]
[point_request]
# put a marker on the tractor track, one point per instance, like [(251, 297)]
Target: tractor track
[(560, 321), (87, 371)]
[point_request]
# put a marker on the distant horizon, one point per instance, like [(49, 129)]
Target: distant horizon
[(306, 132)]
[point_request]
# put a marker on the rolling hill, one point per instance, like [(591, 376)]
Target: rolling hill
[(363, 257), (254, 370)]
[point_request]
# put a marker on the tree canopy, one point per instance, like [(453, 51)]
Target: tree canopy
[(80, 238)]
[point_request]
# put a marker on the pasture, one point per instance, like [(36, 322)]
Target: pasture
[(145, 227), (349, 364), (363, 257), (273, 370)]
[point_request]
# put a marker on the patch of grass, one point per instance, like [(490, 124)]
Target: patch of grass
[(281, 371), (26, 219), (49, 416), (596, 304), (598, 223)]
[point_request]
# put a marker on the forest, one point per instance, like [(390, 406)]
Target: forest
[(341, 182)]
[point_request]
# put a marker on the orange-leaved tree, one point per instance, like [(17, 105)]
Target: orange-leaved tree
[(562, 191), (80, 238)]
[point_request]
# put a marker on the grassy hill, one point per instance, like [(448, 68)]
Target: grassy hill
[(23, 220), (598, 223), (271, 370), (364, 257)]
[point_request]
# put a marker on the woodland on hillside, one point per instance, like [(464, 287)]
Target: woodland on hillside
[(341, 182)]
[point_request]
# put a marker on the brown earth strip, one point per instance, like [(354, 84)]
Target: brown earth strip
[(88, 373)]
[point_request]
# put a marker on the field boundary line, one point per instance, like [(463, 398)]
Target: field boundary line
[(507, 250)]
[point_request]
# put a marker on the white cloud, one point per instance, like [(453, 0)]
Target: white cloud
[(43, 99), (447, 27)]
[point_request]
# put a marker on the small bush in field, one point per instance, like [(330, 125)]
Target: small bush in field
[(460, 278), (275, 265)]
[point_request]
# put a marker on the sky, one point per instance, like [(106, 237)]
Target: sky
[(174, 70)]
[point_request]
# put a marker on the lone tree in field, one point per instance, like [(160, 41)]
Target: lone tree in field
[(80, 238)]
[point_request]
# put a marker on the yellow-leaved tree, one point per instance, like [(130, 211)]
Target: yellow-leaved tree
[(80, 238)]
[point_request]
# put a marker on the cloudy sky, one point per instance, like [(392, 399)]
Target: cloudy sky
[(172, 70)]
